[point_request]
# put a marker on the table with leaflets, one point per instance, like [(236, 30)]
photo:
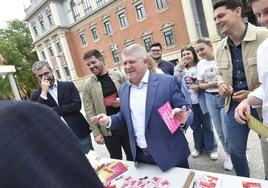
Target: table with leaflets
[(135, 175)]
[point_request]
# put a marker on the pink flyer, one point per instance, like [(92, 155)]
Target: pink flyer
[(165, 113)]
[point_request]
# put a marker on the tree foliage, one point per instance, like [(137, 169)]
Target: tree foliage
[(17, 48)]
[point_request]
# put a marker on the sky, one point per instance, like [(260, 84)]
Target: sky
[(12, 9)]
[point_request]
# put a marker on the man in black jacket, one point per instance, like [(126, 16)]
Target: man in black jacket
[(64, 99)]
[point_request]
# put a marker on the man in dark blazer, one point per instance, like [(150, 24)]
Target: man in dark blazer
[(140, 98), (64, 99), (38, 150)]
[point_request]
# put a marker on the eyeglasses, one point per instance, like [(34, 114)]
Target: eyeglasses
[(44, 74), (156, 50)]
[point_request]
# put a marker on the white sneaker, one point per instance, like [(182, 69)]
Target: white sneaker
[(214, 155), (228, 165), (195, 153)]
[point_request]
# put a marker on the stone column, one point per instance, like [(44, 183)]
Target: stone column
[(190, 20), (62, 73), (68, 56), (212, 30)]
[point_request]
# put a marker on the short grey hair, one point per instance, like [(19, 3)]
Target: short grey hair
[(39, 65), (135, 49)]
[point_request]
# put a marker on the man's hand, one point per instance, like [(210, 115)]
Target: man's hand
[(99, 139), (241, 110), (101, 119), (44, 86), (225, 90), (181, 114), (116, 103), (240, 95)]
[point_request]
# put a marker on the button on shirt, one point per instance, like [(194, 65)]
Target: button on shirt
[(137, 109), (239, 76), (54, 93)]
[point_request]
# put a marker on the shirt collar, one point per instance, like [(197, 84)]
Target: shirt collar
[(231, 43), (143, 81), (55, 85)]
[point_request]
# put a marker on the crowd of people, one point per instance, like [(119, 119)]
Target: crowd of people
[(207, 89)]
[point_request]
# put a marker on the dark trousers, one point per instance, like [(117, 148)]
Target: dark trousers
[(118, 140), (145, 158)]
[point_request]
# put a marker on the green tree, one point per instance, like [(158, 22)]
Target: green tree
[(17, 48)]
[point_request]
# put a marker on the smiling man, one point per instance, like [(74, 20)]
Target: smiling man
[(237, 72), (102, 87), (141, 97), (259, 96)]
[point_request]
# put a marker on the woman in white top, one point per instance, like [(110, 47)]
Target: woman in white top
[(207, 80), (202, 126)]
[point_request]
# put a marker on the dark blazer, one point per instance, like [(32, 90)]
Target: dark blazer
[(69, 107), (168, 150), (37, 150)]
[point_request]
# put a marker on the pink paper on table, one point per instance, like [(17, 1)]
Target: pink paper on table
[(165, 113), (107, 101)]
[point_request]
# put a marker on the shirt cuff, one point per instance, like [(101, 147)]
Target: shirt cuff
[(110, 122)]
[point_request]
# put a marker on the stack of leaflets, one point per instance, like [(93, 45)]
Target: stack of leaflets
[(111, 170), (251, 184), (206, 181)]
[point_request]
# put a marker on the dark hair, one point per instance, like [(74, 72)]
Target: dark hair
[(91, 53), (156, 44), (190, 48), (229, 4), (204, 40), (251, 1)]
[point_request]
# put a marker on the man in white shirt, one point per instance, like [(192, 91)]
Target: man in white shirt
[(140, 98), (259, 96)]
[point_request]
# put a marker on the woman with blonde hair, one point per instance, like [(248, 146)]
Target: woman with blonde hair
[(207, 80)]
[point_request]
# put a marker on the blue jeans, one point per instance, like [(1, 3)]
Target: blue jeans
[(86, 144), (203, 131), (216, 110), (237, 136)]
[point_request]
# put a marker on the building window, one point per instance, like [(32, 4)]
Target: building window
[(83, 39), (87, 6), (42, 25), (95, 34), (123, 20), (35, 30), (75, 10), (169, 38), (161, 4), (147, 43), (58, 74), (59, 48), (107, 27), (116, 57), (50, 20), (67, 72), (43, 55), (51, 53), (99, 2), (140, 11)]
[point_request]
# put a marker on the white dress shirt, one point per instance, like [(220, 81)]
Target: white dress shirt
[(137, 101), (54, 93), (262, 91)]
